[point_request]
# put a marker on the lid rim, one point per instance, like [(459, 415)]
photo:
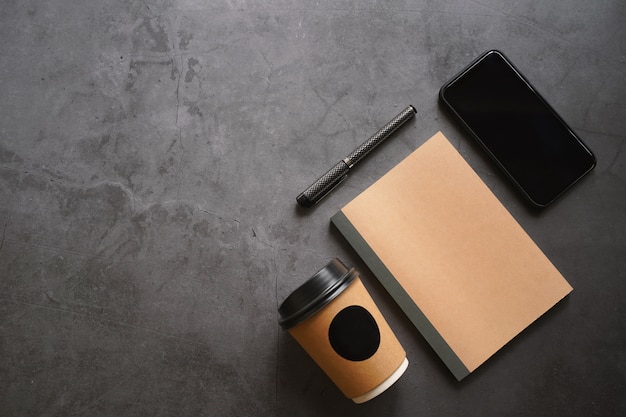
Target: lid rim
[(300, 310)]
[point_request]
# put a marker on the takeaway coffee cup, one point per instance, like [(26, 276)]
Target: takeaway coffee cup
[(333, 317)]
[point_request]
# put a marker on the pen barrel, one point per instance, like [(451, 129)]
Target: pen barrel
[(334, 176), (375, 140), (323, 185)]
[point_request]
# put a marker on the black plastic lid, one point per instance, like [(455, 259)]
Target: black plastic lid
[(315, 293)]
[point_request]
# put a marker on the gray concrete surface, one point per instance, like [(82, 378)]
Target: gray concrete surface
[(150, 156)]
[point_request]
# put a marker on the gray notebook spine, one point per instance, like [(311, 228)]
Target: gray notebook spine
[(413, 312)]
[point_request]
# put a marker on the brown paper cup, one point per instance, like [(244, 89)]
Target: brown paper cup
[(333, 317)]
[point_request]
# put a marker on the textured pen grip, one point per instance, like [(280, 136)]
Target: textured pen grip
[(380, 136), (323, 185)]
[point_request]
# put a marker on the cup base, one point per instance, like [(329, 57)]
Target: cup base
[(383, 385)]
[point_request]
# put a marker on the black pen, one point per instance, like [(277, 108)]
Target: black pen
[(327, 182)]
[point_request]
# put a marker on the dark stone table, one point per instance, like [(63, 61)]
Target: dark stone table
[(150, 156)]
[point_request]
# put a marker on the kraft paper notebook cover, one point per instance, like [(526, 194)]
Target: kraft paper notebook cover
[(458, 264)]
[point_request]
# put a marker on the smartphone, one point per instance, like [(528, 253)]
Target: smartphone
[(521, 132)]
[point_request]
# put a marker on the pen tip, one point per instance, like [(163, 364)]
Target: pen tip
[(304, 201)]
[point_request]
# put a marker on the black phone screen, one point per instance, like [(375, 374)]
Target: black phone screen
[(517, 127)]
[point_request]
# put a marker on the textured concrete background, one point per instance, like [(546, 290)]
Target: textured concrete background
[(150, 156)]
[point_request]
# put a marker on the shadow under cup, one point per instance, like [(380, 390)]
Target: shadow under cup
[(335, 320)]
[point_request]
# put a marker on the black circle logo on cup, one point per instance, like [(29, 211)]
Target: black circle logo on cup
[(354, 334)]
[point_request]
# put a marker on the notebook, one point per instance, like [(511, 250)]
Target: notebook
[(457, 263)]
